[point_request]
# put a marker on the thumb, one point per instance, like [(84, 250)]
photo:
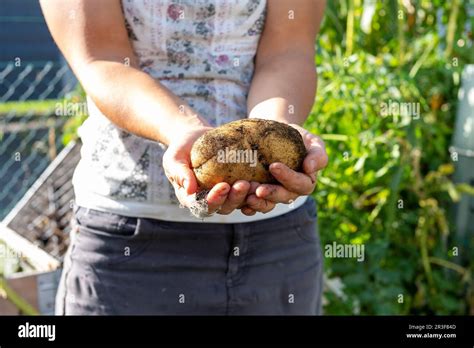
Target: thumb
[(189, 182), (182, 176)]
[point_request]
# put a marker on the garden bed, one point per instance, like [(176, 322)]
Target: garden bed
[(28, 276), (35, 237)]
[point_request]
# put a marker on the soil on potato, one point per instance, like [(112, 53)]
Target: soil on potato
[(273, 141)]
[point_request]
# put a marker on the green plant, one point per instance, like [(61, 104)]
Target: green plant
[(388, 183)]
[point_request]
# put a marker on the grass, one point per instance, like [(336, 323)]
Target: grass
[(28, 108)]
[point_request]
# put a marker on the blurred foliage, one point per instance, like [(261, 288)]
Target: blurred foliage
[(28, 108), (388, 183)]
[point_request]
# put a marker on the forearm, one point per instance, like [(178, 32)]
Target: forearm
[(283, 88), (135, 102)]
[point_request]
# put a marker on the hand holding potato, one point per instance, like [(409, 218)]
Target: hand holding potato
[(249, 164), (178, 170), (280, 161), (293, 183), (177, 166)]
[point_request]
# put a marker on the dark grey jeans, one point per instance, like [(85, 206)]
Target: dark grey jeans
[(121, 265)]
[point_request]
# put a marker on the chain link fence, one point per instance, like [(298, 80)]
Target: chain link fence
[(30, 127)]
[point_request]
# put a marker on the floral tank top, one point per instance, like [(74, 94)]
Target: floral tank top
[(201, 50)]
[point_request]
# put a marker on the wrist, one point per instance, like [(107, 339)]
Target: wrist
[(184, 127), (185, 137)]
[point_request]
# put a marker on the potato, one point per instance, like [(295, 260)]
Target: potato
[(243, 150)]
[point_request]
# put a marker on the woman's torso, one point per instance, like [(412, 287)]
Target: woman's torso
[(203, 51)]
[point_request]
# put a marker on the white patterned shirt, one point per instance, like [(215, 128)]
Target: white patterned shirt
[(201, 50)]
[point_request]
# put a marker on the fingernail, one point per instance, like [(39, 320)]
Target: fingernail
[(224, 191), (263, 192), (276, 168)]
